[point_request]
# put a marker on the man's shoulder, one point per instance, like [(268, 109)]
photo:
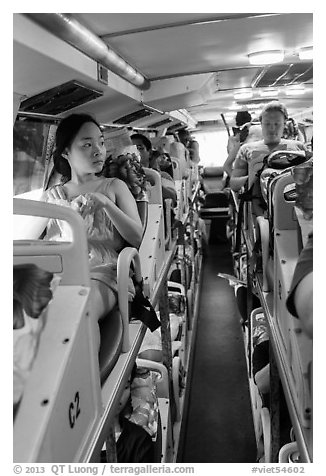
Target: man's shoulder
[(293, 144), (247, 149), (256, 145)]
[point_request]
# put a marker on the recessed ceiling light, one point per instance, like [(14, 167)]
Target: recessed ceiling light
[(253, 106), (295, 90), (243, 95), (268, 92), (266, 57), (306, 53), (235, 107)]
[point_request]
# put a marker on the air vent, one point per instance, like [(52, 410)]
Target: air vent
[(284, 74), (254, 102), (208, 123), (134, 116), (60, 99), (161, 123), (175, 127), (108, 129)]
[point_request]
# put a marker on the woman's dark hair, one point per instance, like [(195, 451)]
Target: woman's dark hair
[(65, 135), (242, 117), (147, 143)]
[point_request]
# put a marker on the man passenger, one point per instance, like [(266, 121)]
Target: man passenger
[(249, 161), (250, 156), (190, 144), (153, 159)]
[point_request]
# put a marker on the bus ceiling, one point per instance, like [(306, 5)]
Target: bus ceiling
[(86, 55)]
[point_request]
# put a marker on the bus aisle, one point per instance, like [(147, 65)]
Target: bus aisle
[(218, 424)]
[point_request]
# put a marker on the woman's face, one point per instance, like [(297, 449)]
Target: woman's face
[(144, 153), (163, 162), (86, 154), (124, 169)]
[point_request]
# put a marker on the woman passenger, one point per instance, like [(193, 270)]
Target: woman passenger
[(106, 205)]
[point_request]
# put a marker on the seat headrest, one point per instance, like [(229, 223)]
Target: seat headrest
[(213, 172), (178, 150), (163, 144)]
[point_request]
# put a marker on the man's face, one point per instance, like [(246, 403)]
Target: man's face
[(143, 152), (272, 125)]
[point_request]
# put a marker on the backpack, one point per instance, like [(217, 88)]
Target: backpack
[(277, 163)]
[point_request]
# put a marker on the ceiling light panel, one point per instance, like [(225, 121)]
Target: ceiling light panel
[(294, 91), (243, 95), (306, 53), (269, 93), (266, 57)]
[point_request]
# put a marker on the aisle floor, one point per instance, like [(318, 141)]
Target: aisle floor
[(219, 426)]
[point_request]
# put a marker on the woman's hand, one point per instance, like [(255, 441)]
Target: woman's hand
[(97, 200), (56, 192), (88, 204)]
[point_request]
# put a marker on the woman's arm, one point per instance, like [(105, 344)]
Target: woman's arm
[(262, 379), (303, 302), (124, 213)]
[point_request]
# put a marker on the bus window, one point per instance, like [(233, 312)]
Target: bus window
[(32, 149), (33, 144)]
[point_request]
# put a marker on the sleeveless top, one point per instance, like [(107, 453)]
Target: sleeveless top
[(104, 241)]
